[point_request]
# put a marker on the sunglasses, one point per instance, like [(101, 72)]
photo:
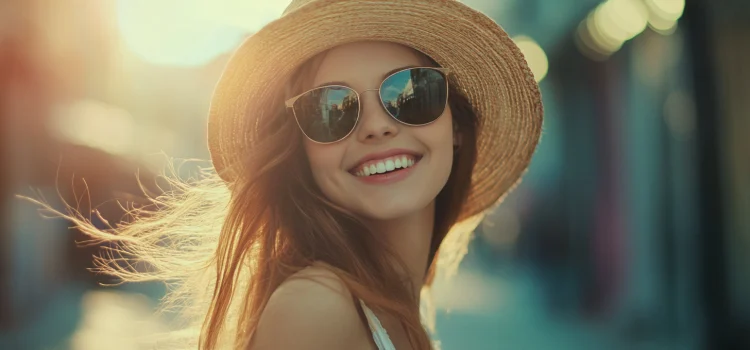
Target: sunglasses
[(412, 96)]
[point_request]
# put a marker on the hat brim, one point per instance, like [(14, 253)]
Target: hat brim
[(486, 65)]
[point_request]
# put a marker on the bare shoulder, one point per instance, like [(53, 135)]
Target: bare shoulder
[(312, 309)]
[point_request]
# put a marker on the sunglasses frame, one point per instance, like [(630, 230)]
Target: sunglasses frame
[(289, 103)]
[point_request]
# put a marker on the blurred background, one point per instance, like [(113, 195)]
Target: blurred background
[(631, 230)]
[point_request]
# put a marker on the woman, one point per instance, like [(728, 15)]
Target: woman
[(347, 139)]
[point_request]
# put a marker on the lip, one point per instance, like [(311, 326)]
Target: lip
[(383, 155)]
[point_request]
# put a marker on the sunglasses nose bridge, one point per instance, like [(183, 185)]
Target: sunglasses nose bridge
[(378, 127), (363, 91)]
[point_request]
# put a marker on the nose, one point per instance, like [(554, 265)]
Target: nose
[(375, 124)]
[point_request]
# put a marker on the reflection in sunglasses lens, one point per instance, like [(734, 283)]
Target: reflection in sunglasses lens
[(327, 114), (415, 96)]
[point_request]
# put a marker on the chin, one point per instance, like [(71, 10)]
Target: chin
[(391, 210)]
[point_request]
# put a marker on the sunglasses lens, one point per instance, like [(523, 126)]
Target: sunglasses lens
[(327, 114), (415, 96)]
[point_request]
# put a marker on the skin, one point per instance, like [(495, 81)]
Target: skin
[(362, 66), (403, 211), (311, 310)]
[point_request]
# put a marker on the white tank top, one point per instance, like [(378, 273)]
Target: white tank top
[(379, 333)]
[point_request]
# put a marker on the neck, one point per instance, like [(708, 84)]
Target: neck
[(410, 237)]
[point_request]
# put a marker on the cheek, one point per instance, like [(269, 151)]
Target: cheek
[(325, 162), (438, 137)]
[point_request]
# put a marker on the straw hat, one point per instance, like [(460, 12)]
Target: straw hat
[(487, 67)]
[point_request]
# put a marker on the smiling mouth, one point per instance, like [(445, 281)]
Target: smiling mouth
[(386, 165)]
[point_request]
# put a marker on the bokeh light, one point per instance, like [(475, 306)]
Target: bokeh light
[(614, 22), (611, 24), (667, 9), (621, 20), (663, 14), (535, 56)]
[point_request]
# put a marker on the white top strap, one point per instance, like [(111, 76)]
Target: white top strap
[(379, 333)]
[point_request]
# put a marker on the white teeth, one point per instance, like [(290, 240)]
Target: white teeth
[(381, 167), (389, 166)]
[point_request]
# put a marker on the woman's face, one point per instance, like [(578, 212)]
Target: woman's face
[(379, 138)]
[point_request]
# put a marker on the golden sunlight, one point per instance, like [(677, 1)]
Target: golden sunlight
[(190, 32)]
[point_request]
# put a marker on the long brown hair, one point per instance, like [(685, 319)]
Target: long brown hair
[(223, 249)]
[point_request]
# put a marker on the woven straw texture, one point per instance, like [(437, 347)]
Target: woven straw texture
[(486, 66)]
